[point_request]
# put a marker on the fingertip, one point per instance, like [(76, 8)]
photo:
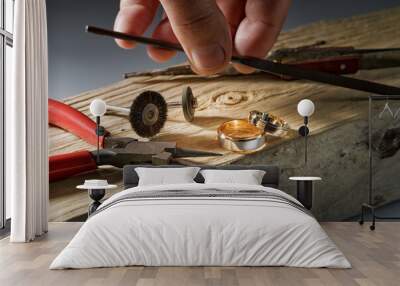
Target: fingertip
[(134, 19), (254, 39), (203, 33), (209, 59), (125, 44), (160, 55), (243, 69), (207, 72), (260, 28), (121, 25), (163, 32)]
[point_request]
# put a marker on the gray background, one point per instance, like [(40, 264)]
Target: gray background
[(79, 62)]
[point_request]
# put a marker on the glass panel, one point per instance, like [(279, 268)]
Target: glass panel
[(1, 14), (9, 9), (8, 89), (2, 195)]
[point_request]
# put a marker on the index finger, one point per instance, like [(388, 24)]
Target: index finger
[(260, 28), (134, 17)]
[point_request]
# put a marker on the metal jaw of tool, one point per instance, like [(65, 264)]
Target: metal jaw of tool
[(117, 142), (136, 152), (130, 151)]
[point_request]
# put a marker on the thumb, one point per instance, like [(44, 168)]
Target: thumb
[(203, 32)]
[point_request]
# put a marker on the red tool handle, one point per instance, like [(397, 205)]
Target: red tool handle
[(66, 165), (74, 121), (335, 65)]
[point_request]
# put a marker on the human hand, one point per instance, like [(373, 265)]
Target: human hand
[(210, 31)]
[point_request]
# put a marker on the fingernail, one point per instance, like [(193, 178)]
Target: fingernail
[(209, 57)]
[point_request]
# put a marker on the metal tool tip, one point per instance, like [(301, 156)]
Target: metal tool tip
[(92, 29)]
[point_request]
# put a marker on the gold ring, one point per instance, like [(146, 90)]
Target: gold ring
[(241, 136)]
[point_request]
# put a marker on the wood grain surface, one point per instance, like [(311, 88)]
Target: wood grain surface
[(375, 258), (226, 97)]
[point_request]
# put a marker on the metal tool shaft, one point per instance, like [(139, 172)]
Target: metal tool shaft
[(369, 51), (317, 76), (122, 110), (268, 66), (126, 110), (182, 153)]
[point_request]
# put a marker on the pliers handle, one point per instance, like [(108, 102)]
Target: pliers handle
[(74, 121), (66, 165), (63, 166)]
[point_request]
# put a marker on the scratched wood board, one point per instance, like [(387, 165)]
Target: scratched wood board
[(226, 97)]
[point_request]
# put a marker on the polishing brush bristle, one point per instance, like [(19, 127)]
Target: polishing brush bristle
[(148, 113)]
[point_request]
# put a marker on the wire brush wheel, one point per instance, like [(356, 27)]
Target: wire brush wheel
[(148, 113)]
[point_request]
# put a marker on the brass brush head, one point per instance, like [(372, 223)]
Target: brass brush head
[(148, 113)]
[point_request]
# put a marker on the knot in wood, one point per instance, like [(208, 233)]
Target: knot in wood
[(229, 98)]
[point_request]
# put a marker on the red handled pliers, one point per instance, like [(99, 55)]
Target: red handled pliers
[(116, 151), (69, 164)]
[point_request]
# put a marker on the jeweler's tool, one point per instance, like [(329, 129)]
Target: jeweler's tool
[(268, 66), (319, 50), (118, 151), (147, 113), (63, 166), (337, 60), (188, 103)]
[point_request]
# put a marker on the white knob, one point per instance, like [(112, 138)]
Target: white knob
[(306, 108), (98, 107)]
